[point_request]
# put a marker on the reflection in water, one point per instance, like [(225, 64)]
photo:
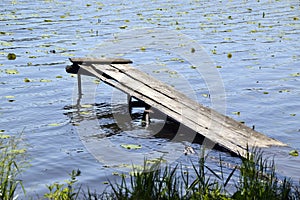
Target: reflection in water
[(161, 128)]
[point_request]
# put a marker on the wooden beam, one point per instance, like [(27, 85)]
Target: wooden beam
[(221, 129), (80, 61)]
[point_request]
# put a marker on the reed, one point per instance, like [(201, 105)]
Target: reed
[(11, 165), (257, 180)]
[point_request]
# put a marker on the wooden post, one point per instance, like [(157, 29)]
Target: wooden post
[(146, 115), (129, 101)]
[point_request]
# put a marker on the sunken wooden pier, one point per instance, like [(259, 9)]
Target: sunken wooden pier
[(220, 129)]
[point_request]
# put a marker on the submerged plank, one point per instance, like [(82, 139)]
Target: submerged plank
[(218, 128)]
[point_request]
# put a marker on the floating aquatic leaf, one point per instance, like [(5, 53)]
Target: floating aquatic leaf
[(29, 63), (5, 33), (6, 44), (86, 106), (294, 153), (286, 90), (205, 95), (2, 131), (236, 113), (296, 74), (45, 80), (105, 182), (11, 71), (193, 50), (214, 51), (47, 20), (2, 136), (58, 77), (143, 48), (193, 67), (115, 173), (123, 27), (218, 66), (293, 114), (131, 146), (26, 80), (31, 56), (97, 81), (54, 124), (85, 112), (266, 92), (229, 55), (296, 18), (11, 56), (9, 96)]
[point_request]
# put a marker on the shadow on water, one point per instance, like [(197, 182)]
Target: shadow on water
[(113, 120)]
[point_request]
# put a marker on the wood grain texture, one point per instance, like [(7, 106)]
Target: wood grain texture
[(220, 129)]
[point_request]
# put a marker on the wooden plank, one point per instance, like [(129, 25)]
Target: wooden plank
[(233, 137), (211, 115), (100, 61), (219, 128)]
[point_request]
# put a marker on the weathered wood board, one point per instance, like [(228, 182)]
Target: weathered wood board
[(220, 129)]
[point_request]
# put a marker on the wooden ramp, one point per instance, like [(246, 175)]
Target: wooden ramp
[(220, 129)]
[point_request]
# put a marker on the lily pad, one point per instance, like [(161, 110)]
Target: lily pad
[(6, 44), (27, 80), (296, 74), (123, 27), (294, 153), (86, 106), (131, 146), (11, 56), (11, 71), (45, 80), (9, 96), (3, 136), (97, 81), (54, 124), (236, 113)]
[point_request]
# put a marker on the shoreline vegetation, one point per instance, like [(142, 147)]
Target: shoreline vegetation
[(257, 179)]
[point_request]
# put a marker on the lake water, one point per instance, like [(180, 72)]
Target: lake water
[(253, 44)]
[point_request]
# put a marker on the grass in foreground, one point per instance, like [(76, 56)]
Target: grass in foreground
[(11, 158), (257, 180)]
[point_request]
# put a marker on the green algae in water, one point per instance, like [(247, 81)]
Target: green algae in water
[(294, 153), (11, 71), (131, 146), (11, 56), (27, 80)]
